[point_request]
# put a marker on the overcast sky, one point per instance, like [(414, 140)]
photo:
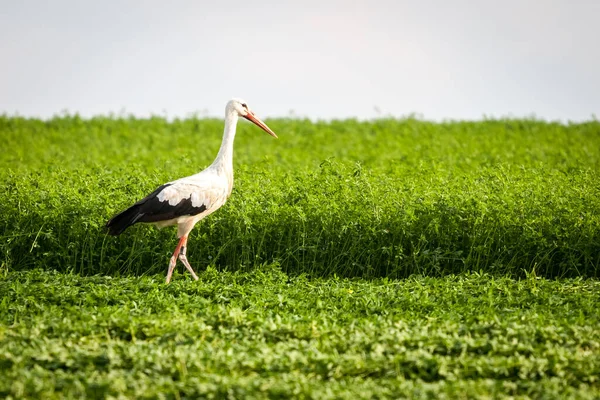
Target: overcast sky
[(320, 59)]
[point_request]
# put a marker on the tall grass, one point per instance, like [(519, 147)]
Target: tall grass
[(381, 198)]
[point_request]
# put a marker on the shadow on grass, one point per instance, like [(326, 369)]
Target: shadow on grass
[(432, 241)]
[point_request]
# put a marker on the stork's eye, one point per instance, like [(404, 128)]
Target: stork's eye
[(244, 105)]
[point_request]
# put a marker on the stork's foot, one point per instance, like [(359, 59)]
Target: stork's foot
[(185, 262), (171, 268)]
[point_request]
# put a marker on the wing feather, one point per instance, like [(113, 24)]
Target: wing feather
[(185, 197)]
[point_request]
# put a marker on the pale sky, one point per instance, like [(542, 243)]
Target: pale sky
[(319, 59)]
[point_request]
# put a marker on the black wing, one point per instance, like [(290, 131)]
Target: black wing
[(152, 209)]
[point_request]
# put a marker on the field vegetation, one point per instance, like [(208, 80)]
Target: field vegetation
[(389, 258), (385, 198)]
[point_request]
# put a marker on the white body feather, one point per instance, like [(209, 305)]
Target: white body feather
[(207, 188)]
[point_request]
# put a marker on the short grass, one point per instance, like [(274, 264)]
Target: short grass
[(268, 334), (371, 199)]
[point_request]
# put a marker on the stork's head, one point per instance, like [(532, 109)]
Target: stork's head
[(240, 107)]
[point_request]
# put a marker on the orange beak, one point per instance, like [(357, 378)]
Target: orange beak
[(253, 118)]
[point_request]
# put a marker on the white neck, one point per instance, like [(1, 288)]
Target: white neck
[(224, 161)]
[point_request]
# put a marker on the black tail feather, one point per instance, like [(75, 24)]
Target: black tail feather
[(117, 224)]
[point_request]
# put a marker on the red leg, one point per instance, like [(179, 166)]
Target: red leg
[(173, 261), (184, 260)]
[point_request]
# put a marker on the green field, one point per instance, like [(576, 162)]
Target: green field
[(392, 258)]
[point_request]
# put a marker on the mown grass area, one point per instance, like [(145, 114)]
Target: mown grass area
[(371, 199), (268, 334)]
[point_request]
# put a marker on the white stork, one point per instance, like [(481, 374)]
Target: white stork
[(186, 201)]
